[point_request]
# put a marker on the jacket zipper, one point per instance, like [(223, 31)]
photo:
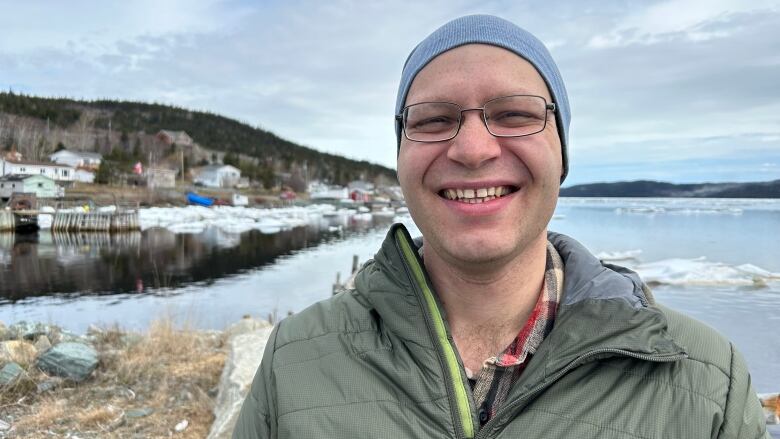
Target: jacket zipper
[(457, 392), (491, 426)]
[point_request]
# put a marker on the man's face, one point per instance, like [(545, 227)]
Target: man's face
[(529, 168)]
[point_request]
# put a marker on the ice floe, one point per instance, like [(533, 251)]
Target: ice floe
[(231, 219), (619, 255), (701, 272)]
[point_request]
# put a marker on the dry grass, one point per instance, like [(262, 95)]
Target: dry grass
[(169, 370)]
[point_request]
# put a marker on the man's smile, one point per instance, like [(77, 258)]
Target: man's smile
[(473, 195)]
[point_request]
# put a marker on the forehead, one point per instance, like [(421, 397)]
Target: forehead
[(474, 73)]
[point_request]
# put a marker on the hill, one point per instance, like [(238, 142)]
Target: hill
[(646, 188), (36, 126)]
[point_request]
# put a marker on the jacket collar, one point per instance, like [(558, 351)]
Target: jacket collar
[(604, 307)]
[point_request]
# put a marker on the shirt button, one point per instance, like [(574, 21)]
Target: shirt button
[(483, 416)]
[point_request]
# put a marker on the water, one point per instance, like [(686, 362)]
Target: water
[(716, 260)]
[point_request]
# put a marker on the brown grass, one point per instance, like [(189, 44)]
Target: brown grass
[(168, 369)]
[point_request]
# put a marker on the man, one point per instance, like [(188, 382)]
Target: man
[(490, 326)]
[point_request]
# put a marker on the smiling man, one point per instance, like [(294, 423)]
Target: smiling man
[(489, 325)]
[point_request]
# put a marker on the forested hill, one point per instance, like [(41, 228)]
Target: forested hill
[(645, 188), (208, 130)]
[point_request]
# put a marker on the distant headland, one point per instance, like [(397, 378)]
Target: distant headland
[(648, 188)]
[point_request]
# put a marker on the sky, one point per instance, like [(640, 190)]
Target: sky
[(680, 91)]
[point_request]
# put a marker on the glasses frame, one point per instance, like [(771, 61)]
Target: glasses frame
[(399, 118)]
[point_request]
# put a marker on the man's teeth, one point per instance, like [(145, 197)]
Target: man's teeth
[(476, 195)]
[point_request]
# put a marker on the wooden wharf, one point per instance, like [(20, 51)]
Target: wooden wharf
[(95, 221)]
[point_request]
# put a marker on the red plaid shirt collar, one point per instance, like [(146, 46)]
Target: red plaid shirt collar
[(491, 385)]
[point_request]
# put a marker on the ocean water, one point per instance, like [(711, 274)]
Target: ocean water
[(715, 260)]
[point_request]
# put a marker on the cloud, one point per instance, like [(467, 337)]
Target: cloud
[(671, 78), (679, 19)]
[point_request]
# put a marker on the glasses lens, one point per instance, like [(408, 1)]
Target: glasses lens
[(431, 121), (516, 115)]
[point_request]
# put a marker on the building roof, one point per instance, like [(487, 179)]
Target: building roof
[(36, 163), (82, 154), (215, 168)]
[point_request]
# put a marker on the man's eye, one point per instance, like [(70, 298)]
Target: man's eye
[(433, 123), (514, 118)]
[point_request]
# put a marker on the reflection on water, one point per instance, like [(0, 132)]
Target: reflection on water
[(101, 263)]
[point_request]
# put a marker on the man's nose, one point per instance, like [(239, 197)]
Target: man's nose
[(474, 145)]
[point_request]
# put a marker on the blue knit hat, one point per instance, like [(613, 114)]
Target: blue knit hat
[(488, 29)]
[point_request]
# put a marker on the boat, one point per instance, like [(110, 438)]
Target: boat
[(199, 200), (18, 222)]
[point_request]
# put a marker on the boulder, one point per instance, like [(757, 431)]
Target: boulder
[(26, 330), (10, 373), (48, 384), (74, 361), (17, 351), (246, 343), (42, 344)]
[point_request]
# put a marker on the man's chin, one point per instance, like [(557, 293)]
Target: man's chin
[(481, 252)]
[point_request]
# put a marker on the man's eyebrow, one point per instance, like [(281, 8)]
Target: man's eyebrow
[(448, 98)]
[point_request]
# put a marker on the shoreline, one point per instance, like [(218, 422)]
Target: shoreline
[(109, 382)]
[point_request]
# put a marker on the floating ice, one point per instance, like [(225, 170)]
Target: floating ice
[(619, 255), (699, 271), (237, 219)]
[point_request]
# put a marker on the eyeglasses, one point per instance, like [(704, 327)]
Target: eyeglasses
[(507, 116)]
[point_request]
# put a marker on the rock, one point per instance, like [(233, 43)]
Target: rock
[(18, 351), (245, 352), (139, 413), (28, 331), (181, 426), (48, 384), (246, 324), (3, 331), (67, 337), (74, 361), (10, 373), (42, 344), (94, 330)]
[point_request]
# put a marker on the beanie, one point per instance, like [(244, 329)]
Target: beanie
[(495, 31)]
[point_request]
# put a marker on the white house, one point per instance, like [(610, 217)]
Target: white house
[(321, 191), (27, 167), (83, 176), (77, 159), (218, 176)]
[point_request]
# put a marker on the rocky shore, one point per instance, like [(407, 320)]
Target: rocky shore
[(112, 383)]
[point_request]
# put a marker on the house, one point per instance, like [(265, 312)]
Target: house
[(77, 159), (40, 185), (218, 176), (180, 138), (83, 175), (28, 167), (322, 191), (160, 178)]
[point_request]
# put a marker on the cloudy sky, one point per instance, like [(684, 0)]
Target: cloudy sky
[(683, 91)]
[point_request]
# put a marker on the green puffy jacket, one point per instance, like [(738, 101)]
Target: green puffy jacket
[(378, 362)]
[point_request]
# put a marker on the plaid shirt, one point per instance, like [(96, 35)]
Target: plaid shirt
[(492, 383)]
